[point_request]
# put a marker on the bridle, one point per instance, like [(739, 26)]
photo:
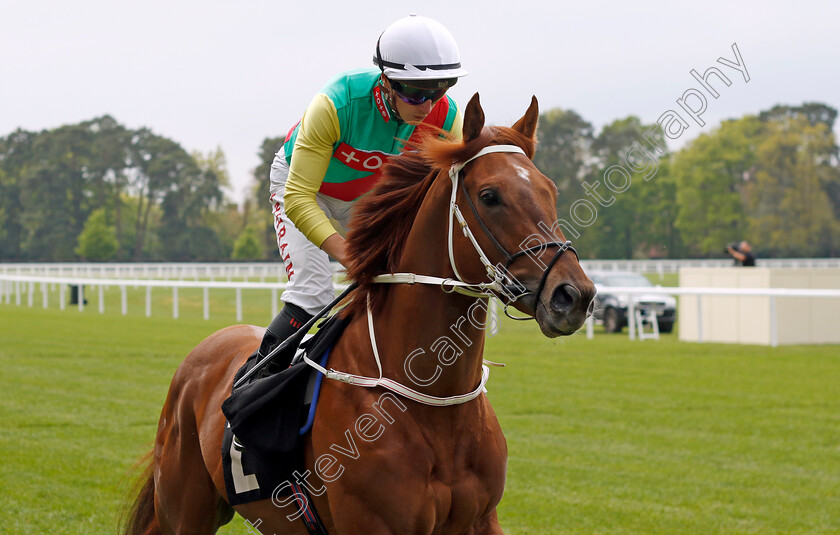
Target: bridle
[(503, 285)]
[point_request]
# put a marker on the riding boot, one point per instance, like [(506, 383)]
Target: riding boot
[(284, 325)]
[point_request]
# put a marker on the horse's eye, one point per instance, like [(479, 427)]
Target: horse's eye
[(489, 197)]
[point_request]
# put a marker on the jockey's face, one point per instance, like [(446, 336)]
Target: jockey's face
[(413, 114), (405, 103)]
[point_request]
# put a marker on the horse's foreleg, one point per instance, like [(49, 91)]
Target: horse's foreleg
[(489, 525)]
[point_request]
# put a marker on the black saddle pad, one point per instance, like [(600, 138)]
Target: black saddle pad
[(263, 444)]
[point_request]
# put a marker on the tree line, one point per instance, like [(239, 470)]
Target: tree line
[(99, 191), (772, 179)]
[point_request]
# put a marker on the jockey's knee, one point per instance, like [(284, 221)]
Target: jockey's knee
[(285, 324)]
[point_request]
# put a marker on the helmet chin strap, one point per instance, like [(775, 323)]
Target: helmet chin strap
[(389, 99)]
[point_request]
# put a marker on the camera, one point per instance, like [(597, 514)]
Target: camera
[(732, 245)]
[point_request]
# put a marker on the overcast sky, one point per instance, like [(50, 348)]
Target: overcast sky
[(228, 74)]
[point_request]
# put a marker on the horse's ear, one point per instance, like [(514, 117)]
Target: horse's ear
[(473, 119), (527, 125)]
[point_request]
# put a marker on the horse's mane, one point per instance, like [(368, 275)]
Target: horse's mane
[(382, 219)]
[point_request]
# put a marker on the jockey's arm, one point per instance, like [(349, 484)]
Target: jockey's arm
[(336, 247), (319, 131)]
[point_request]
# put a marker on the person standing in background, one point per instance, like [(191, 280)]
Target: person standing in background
[(742, 253)]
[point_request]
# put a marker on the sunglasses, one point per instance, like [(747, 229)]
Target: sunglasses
[(416, 95)]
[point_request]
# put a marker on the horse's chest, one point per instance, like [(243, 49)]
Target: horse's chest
[(422, 475), (468, 480), (461, 503), (474, 464)]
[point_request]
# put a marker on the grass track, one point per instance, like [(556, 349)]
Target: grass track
[(605, 435)]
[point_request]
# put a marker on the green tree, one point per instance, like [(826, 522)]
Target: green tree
[(51, 182), (772, 179), (257, 210), (633, 208), (814, 112), (563, 153), (659, 197), (248, 246), (108, 173), (791, 213), (53, 200), (127, 239), (185, 229), (163, 167), (268, 149), (98, 240), (5, 216), (16, 150), (709, 176)]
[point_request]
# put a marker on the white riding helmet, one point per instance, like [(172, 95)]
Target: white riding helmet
[(418, 48)]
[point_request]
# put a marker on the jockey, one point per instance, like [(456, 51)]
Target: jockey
[(335, 154)]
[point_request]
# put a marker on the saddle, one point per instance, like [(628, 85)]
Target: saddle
[(268, 416)]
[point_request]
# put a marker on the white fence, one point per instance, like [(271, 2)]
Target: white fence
[(15, 287), (274, 271), (262, 271), (673, 266)]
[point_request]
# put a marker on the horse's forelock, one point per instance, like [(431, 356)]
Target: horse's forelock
[(509, 136), (441, 154)]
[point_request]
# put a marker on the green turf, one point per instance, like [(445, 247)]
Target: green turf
[(665, 279), (605, 435)]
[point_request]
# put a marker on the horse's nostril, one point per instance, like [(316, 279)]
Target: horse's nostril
[(564, 298)]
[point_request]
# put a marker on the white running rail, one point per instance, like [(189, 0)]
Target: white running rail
[(14, 287), (274, 271)]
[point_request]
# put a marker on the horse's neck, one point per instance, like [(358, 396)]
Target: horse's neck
[(431, 336), (430, 340)]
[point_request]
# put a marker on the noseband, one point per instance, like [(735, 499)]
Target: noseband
[(503, 284)]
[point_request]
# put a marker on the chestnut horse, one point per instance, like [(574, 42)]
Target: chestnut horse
[(377, 462)]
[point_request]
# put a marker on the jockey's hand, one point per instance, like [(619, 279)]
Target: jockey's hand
[(336, 247)]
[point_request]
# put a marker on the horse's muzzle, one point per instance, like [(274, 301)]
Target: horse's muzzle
[(562, 310)]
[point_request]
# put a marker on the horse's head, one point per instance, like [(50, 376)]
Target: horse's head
[(512, 215), (506, 211)]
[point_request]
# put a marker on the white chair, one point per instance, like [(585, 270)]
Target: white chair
[(647, 318)]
